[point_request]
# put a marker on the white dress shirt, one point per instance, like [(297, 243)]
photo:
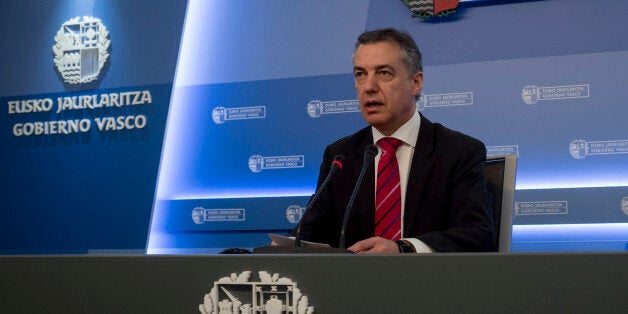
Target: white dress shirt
[(408, 134)]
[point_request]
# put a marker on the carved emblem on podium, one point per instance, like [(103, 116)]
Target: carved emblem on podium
[(272, 294)]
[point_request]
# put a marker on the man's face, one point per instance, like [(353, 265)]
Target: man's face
[(386, 91)]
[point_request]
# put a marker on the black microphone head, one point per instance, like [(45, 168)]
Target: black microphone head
[(338, 161), (370, 152)]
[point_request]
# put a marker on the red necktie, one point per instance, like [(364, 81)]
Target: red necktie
[(388, 191)]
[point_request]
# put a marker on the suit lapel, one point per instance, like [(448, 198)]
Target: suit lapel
[(419, 173), (364, 207)]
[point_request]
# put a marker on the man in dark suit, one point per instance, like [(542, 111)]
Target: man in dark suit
[(427, 194)]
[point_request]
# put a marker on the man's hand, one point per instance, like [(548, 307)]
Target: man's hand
[(375, 245)]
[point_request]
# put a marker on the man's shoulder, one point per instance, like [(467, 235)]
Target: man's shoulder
[(447, 143), (354, 140), (446, 136)]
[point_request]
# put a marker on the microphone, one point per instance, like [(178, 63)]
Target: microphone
[(369, 155), (335, 166)]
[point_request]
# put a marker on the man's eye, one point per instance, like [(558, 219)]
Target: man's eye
[(384, 73), (358, 74)]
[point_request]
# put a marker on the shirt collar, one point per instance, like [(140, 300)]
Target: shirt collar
[(407, 133)]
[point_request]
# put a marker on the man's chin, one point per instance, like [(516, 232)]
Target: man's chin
[(373, 117), (378, 124)]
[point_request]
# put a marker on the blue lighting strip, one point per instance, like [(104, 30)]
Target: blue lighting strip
[(570, 232), (596, 237)]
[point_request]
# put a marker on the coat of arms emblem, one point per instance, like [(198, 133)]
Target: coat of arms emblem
[(272, 294), (430, 8), (81, 49)]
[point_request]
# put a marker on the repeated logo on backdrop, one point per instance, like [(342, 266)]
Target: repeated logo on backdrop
[(316, 108), (257, 163), (538, 208), (532, 94), (444, 100), (541, 208), (294, 213), (580, 149), (502, 150), (201, 215), (221, 114)]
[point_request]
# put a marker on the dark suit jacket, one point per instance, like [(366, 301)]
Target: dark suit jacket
[(447, 205)]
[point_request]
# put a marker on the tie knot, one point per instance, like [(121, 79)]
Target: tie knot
[(389, 144)]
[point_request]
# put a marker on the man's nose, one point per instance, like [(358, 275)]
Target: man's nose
[(370, 84)]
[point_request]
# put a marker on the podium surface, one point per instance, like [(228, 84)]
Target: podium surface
[(430, 283)]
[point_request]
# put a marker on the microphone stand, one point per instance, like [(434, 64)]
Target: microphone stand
[(369, 155), (336, 165)]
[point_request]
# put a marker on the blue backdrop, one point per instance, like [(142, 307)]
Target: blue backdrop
[(86, 191), (245, 95), (534, 78)]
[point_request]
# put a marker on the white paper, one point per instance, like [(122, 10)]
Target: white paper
[(289, 241)]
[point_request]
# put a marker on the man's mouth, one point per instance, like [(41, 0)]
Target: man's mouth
[(373, 104)]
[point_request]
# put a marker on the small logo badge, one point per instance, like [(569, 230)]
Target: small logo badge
[(271, 294), (258, 163), (201, 215), (444, 100), (316, 108), (255, 163), (221, 114), (502, 150), (294, 213), (198, 215), (581, 148), (81, 49), (541, 208), (624, 205), (578, 149), (531, 94)]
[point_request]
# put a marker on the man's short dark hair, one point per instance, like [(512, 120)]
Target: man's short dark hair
[(412, 55)]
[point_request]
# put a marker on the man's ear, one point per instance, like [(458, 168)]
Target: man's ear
[(417, 83)]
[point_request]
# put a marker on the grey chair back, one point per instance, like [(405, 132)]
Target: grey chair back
[(500, 182)]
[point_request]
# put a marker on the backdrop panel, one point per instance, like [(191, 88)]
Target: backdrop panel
[(80, 160)]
